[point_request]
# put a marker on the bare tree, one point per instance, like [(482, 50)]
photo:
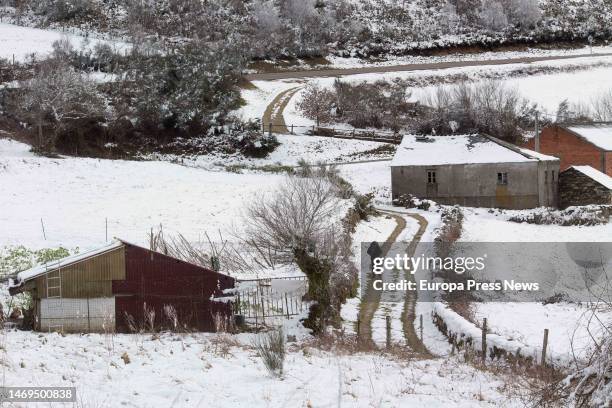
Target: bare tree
[(489, 107), (316, 104), (298, 224)]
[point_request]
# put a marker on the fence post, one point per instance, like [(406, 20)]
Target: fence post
[(421, 326), (484, 340), (544, 346), (270, 129), (292, 130), (287, 305), (263, 310), (358, 331), (388, 321), (42, 224)]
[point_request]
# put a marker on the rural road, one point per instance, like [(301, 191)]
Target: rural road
[(370, 301), (317, 73)]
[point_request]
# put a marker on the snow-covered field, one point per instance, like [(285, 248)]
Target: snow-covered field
[(292, 149), (588, 77), (20, 42), (548, 90), (571, 326), (75, 196), (190, 370)]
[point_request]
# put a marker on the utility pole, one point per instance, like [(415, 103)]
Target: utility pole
[(537, 131)]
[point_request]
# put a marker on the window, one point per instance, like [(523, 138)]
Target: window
[(552, 173), (502, 178), (431, 177), (546, 176)]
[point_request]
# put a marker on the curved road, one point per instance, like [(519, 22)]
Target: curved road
[(316, 73)]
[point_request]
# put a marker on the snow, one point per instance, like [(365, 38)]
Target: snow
[(374, 177), (570, 327), (375, 229), (584, 80), (599, 134), (456, 149), (75, 197), (21, 42), (187, 370), (596, 175), (480, 225), (258, 96), (335, 62)]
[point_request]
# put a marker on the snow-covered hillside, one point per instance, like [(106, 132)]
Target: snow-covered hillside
[(74, 197), (20, 42)]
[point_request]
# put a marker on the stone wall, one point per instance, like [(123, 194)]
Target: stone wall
[(576, 188)]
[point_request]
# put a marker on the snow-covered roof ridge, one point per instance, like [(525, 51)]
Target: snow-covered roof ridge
[(598, 176), (38, 270), (596, 133), (419, 150)]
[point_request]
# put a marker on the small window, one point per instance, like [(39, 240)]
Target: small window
[(502, 178), (546, 176), (552, 178), (431, 177)]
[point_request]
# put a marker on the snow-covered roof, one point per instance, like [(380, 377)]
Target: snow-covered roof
[(460, 149), (599, 134), (69, 260), (598, 176)]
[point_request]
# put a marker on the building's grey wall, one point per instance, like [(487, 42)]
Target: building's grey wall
[(77, 315), (475, 185), (576, 188)]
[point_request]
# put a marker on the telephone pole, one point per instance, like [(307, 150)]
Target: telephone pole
[(537, 131)]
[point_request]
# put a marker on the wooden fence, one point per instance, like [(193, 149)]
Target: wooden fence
[(335, 132)]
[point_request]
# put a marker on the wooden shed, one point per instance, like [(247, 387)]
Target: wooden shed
[(120, 287)]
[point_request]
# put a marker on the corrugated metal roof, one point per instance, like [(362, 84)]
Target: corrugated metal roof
[(69, 260)]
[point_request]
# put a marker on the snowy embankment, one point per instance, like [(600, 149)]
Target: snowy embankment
[(74, 199), (21, 42), (570, 326), (335, 62)]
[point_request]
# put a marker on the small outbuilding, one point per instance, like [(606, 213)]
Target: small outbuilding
[(584, 185), (473, 170), (577, 144), (122, 287)]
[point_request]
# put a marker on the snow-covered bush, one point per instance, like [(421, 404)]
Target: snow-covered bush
[(586, 215), (493, 16), (271, 348)]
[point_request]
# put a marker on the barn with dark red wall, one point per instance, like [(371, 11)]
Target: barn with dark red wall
[(158, 280), (120, 287)]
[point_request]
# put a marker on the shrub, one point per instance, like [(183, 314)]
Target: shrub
[(271, 349)]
